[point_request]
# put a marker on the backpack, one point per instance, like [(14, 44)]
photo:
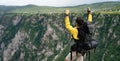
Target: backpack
[(85, 34), (86, 42)]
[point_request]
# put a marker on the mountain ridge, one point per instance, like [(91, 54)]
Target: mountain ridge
[(63, 6), (47, 9)]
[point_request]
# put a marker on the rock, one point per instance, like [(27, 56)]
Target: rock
[(16, 20), (118, 42), (14, 45)]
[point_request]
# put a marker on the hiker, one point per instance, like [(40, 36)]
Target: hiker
[(74, 32)]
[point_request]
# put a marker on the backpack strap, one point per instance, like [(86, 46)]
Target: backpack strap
[(71, 55), (89, 55), (94, 50)]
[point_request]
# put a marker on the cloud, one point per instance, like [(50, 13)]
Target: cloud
[(50, 2)]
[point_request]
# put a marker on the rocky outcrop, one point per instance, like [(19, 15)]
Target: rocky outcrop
[(16, 20), (14, 45), (1, 30)]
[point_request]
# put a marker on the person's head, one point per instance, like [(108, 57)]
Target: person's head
[(79, 21)]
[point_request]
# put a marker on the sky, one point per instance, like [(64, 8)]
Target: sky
[(56, 3)]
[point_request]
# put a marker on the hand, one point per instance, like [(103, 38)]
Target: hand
[(67, 12), (88, 8)]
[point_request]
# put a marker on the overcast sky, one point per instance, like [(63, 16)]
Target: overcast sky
[(49, 2)]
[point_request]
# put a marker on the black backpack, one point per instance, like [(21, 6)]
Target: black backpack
[(86, 42), (85, 35)]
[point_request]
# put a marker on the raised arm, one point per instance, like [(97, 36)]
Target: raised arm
[(67, 21), (89, 15)]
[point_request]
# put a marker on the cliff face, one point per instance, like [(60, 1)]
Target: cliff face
[(109, 37), (43, 37)]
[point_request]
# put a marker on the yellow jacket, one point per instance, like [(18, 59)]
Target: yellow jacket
[(73, 30)]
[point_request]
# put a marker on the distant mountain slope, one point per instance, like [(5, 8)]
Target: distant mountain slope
[(48, 9), (43, 37)]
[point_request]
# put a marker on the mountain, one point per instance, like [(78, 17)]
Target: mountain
[(47, 9), (43, 37)]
